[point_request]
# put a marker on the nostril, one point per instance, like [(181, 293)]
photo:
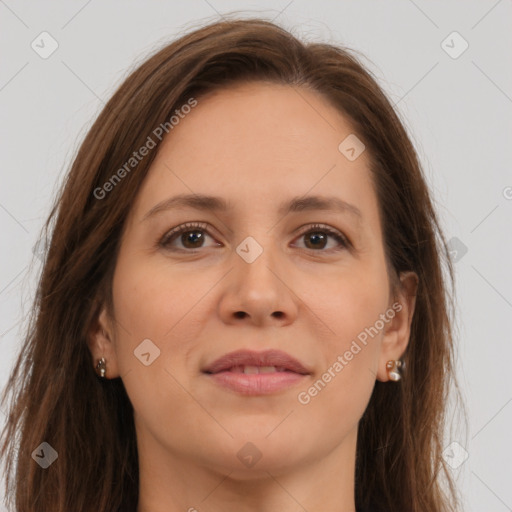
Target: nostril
[(242, 314)]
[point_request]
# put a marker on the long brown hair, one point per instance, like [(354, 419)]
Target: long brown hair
[(56, 395)]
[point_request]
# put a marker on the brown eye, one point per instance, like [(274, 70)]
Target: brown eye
[(190, 236), (317, 238), (194, 238)]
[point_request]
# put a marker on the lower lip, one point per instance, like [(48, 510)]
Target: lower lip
[(257, 383)]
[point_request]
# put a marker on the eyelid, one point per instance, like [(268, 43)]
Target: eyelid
[(343, 240)]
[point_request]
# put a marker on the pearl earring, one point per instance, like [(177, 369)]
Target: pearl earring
[(101, 367), (393, 368)]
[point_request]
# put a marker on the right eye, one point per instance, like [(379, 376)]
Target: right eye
[(191, 233)]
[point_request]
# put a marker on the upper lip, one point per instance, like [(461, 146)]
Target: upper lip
[(276, 358)]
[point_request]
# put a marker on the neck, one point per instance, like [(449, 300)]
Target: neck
[(172, 482)]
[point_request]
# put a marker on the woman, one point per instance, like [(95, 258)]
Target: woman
[(243, 303)]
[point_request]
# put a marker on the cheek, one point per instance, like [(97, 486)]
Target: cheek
[(335, 402), (350, 302), (352, 310), (156, 303), (152, 296), (339, 393)]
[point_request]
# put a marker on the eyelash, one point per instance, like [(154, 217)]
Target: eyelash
[(202, 226)]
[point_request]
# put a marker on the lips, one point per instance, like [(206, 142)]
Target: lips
[(250, 362), (250, 373)]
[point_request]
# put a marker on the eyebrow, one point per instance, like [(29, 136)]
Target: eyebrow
[(217, 204)]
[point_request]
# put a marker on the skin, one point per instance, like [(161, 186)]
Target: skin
[(279, 143)]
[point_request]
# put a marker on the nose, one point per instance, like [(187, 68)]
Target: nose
[(259, 293)]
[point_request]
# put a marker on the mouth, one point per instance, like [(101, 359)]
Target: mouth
[(256, 373), (251, 370)]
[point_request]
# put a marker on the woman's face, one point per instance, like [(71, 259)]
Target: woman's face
[(256, 276)]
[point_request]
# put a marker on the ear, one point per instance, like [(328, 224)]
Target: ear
[(398, 330), (100, 343)]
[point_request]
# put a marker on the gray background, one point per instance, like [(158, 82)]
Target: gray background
[(457, 111)]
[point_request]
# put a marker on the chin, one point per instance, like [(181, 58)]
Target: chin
[(254, 453)]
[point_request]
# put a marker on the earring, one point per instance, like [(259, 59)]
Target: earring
[(393, 368), (101, 367)]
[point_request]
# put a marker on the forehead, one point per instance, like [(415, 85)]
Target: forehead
[(258, 144), (241, 116)]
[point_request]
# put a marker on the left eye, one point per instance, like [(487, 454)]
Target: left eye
[(318, 236), (193, 235)]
